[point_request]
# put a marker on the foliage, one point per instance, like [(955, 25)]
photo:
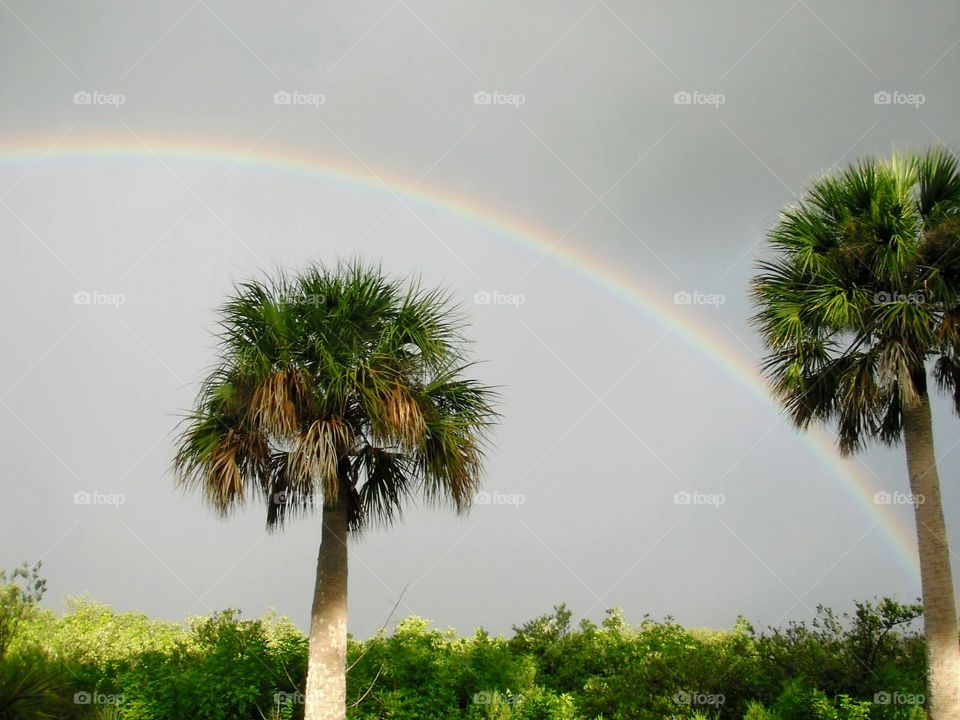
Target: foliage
[(32, 685), (756, 711), (96, 663), (801, 702), (337, 385), (31, 688), (876, 649), (216, 666), (863, 292), (20, 593)]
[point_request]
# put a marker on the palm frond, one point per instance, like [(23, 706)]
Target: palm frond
[(273, 406), (32, 688), (337, 380), (389, 484), (938, 185), (861, 290), (314, 460), (450, 462), (946, 372)]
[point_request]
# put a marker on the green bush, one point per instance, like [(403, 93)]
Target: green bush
[(535, 704), (33, 685), (756, 711), (95, 663), (800, 702), (216, 666)]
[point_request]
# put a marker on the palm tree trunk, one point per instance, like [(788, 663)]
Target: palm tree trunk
[(327, 661), (939, 608)]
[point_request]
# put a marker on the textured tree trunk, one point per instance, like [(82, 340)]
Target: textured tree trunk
[(325, 697), (939, 608)]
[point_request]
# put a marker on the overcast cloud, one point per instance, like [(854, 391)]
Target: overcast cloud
[(659, 139)]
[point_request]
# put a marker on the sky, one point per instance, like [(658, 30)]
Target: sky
[(592, 182)]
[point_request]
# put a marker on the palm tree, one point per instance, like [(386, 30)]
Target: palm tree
[(860, 301), (340, 389)]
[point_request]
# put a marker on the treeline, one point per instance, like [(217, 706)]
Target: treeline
[(95, 663)]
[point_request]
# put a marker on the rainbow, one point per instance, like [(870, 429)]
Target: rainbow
[(33, 151)]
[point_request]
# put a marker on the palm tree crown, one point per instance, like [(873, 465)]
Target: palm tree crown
[(337, 385), (863, 292)]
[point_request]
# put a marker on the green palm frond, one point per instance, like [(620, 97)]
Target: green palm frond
[(946, 371), (862, 289), (938, 185), (32, 688), (388, 485), (337, 381)]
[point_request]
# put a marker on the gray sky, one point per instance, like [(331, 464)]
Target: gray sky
[(609, 410)]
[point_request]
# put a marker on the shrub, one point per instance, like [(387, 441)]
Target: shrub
[(33, 686), (126, 666)]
